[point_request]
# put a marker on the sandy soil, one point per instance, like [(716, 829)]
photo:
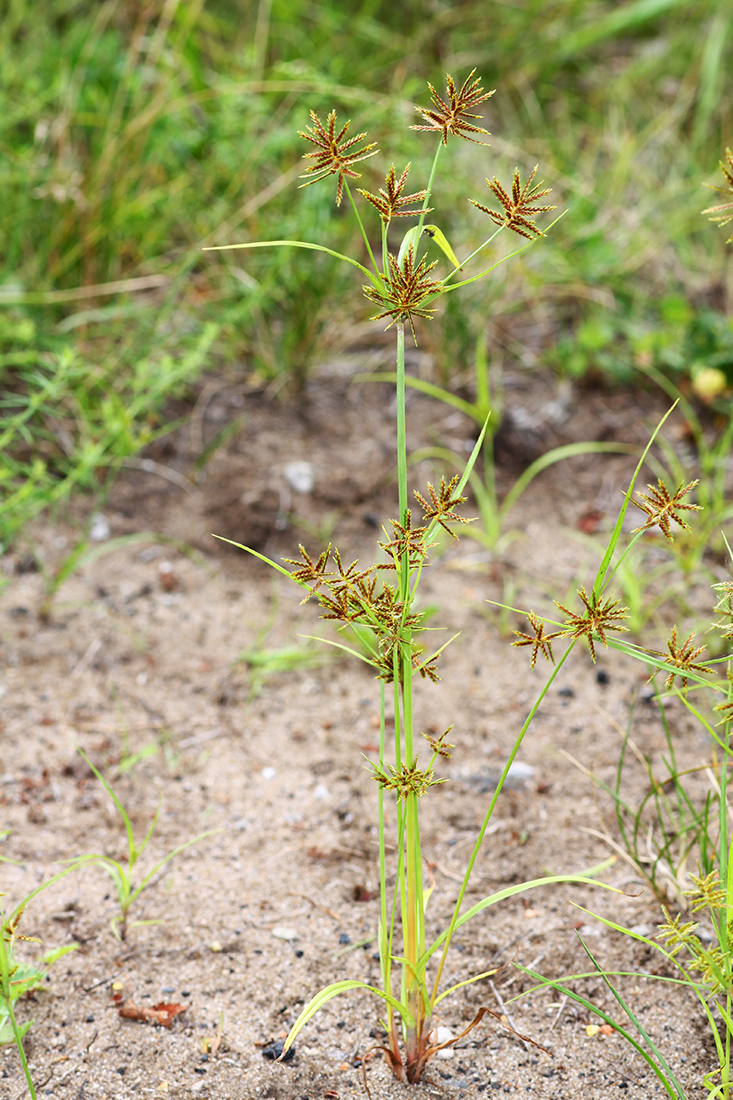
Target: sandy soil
[(165, 649)]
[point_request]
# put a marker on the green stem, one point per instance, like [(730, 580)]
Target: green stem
[(7, 996), (401, 429), (21, 1052), (401, 884), (428, 192), (487, 819), (475, 252), (385, 952), (361, 226)]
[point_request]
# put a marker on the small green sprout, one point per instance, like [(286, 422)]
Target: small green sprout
[(121, 872)]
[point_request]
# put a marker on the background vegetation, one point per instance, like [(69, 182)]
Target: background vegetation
[(133, 132)]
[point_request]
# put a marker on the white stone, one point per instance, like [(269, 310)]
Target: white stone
[(300, 476), (283, 933), (100, 529)]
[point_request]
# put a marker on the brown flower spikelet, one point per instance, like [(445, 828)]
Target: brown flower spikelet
[(660, 507), (452, 117), (600, 616), (332, 156), (405, 289), (520, 207), (390, 198)]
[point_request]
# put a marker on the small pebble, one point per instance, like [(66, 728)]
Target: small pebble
[(300, 476), (168, 989), (268, 773), (283, 933), (344, 938), (100, 529)]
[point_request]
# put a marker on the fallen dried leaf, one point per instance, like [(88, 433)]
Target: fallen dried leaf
[(590, 521), (159, 1014)]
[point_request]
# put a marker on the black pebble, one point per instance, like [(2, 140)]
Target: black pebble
[(602, 677), (90, 1019), (275, 1050), (299, 954), (344, 938), (566, 692)]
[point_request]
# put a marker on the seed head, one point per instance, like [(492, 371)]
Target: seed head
[(682, 657), (660, 507), (540, 642), (405, 289), (441, 504), (332, 157), (451, 117), (520, 207), (390, 198), (600, 616)]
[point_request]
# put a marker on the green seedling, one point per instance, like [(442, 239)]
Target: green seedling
[(121, 872), (18, 978), (85, 553), (380, 601), (261, 663)]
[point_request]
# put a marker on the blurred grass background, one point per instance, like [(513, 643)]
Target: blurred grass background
[(134, 132)]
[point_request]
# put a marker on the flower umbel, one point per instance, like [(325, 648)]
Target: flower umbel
[(442, 504), (439, 745), (708, 892), (310, 573), (682, 657), (661, 507), (600, 616), (520, 207), (390, 197), (451, 117), (405, 780), (539, 641), (405, 289), (723, 213), (408, 540), (333, 156)]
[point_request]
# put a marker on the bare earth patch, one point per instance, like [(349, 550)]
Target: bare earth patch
[(141, 651)]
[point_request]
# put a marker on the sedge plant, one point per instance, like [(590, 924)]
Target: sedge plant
[(695, 938), (699, 951), (379, 603)]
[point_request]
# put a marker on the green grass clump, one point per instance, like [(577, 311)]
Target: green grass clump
[(131, 135)]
